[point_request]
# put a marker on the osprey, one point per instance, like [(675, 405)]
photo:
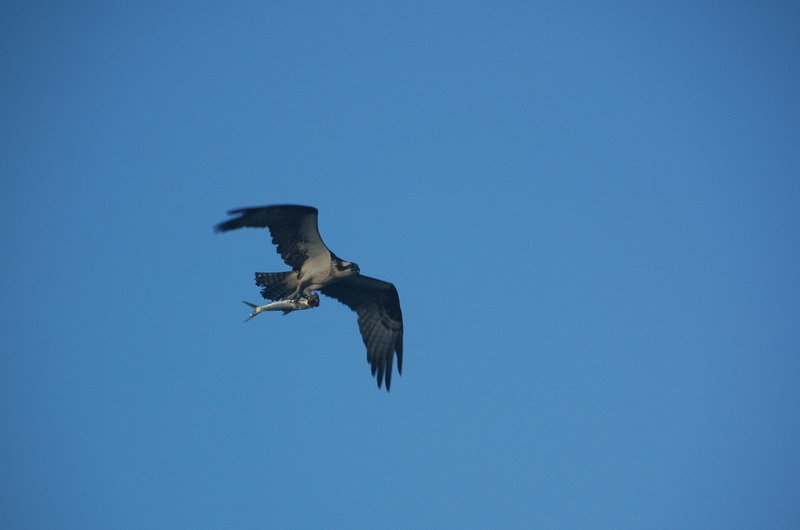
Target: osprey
[(314, 267)]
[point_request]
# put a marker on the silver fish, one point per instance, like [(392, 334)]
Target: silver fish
[(287, 306)]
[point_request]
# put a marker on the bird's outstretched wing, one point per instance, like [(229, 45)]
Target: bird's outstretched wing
[(379, 319), (293, 229)]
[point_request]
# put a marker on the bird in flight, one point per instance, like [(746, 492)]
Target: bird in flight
[(315, 268)]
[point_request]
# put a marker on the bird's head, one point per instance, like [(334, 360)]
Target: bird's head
[(345, 266)]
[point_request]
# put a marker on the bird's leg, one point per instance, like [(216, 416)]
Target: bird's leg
[(295, 296), (301, 290), (301, 286)]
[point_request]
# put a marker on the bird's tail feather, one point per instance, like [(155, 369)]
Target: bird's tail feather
[(275, 284)]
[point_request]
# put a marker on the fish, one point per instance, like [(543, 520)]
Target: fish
[(287, 306)]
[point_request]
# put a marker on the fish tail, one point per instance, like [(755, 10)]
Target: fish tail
[(255, 310)]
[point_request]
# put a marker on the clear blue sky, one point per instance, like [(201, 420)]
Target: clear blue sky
[(591, 211)]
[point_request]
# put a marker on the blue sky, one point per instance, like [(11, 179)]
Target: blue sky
[(591, 212)]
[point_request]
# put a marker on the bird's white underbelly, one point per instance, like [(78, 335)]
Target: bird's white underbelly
[(316, 272)]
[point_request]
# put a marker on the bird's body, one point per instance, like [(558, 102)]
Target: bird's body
[(316, 272), (314, 267)]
